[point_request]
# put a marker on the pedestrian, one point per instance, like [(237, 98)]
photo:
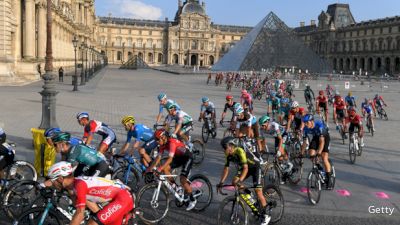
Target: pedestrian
[(61, 74), (39, 70)]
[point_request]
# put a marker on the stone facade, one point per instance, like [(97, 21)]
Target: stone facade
[(23, 35), (371, 46), (190, 39)]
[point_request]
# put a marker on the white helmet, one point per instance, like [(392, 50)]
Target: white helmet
[(60, 169), (295, 104)]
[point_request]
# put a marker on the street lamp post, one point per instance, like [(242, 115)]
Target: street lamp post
[(86, 59), (49, 88), (75, 43), (83, 69)]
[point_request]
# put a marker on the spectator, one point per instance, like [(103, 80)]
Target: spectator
[(61, 74)]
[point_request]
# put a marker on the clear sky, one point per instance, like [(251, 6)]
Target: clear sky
[(248, 12)]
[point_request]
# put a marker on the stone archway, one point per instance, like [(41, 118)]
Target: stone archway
[(193, 60), (150, 58), (334, 64), (140, 55), (369, 64), (347, 65), (387, 65), (362, 64), (355, 66), (378, 63), (211, 60), (397, 64), (175, 59)]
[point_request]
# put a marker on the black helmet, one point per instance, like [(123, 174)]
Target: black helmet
[(228, 140)]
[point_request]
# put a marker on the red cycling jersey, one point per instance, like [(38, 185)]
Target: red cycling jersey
[(356, 120), (101, 190), (299, 113), (322, 99), (174, 147), (339, 105)]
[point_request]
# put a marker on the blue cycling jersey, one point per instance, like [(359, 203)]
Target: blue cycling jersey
[(141, 133), (367, 107), (210, 108), (319, 129), (350, 100), (161, 107)]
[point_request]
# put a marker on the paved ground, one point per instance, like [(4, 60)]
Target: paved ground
[(114, 93)]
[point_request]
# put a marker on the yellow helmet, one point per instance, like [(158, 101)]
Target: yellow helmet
[(128, 119), (350, 93)]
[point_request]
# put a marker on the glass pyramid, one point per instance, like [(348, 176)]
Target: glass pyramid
[(271, 44)]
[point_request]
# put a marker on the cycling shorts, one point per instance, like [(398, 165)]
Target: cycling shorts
[(114, 212), (185, 161), (323, 105), (255, 173), (315, 143), (109, 140), (187, 127), (100, 169), (352, 126), (340, 113), (150, 145)]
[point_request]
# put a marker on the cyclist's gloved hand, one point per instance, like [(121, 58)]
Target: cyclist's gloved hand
[(278, 154), (174, 136)]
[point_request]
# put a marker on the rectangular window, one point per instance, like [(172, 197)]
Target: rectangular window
[(233, 38), (390, 30), (150, 32), (139, 43)]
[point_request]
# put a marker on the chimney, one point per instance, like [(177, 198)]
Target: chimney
[(302, 24), (312, 23)]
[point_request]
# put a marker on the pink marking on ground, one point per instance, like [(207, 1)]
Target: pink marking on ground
[(197, 184), (344, 193), (382, 195), (304, 190), (229, 188)]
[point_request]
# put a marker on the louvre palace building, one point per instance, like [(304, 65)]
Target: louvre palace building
[(188, 39)]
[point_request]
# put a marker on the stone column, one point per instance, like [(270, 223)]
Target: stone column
[(29, 48), (82, 14), (18, 43), (392, 65), (42, 33)]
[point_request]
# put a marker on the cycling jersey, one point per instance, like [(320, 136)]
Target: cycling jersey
[(246, 98), (356, 119), (239, 157), (83, 154), (101, 190), (7, 154), (230, 107), (209, 109), (274, 129), (174, 147), (378, 101), (350, 100), (315, 133), (162, 106), (322, 99), (339, 105), (308, 92), (141, 133), (180, 118), (367, 107), (297, 116), (248, 120), (102, 129), (276, 102)]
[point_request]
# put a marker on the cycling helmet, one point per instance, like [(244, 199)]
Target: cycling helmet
[(321, 92), (128, 119), (60, 169), (285, 100), (366, 99), (170, 105), (51, 131), (159, 133), (307, 118), (61, 136), (263, 120), (239, 110), (377, 96), (82, 115), (273, 94), (295, 104), (229, 97), (350, 94), (337, 93), (228, 140), (205, 99), (161, 96)]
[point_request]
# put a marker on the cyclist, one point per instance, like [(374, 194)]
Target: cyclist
[(275, 104), (309, 94), (356, 121), (144, 139), (208, 108), (329, 90), (339, 112), (87, 160), (246, 167), (268, 127), (183, 123), (162, 98), (295, 115), (367, 107), (246, 101), (7, 153), (228, 105), (246, 124), (317, 132), (93, 126), (91, 191), (178, 156), (322, 102), (284, 109), (350, 100), (378, 102), (289, 90)]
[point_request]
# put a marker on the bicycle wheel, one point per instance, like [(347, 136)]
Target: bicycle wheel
[(271, 175), (232, 211), (202, 190), (21, 170), (360, 148), (384, 115), (275, 202), (198, 152), (352, 151), (204, 133), (152, 211), (20, 197), (128, 177), (34, 215), (313, 187), (333, 176)]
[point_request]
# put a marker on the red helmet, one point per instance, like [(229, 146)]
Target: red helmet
[(229, 97), (352, 112), (159, 133), (321, 92)]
